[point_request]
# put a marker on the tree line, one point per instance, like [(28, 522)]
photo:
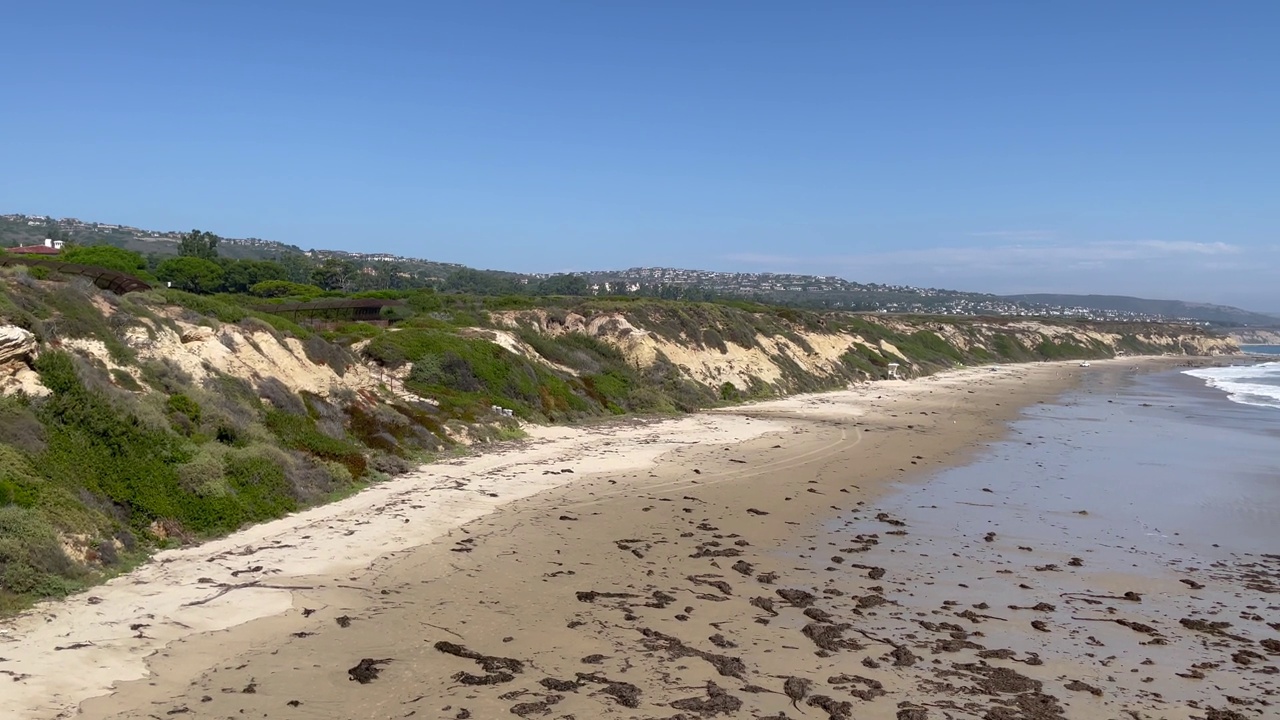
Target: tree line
[(200, 268)]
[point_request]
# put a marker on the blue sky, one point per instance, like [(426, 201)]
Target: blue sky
[(1128, 147)]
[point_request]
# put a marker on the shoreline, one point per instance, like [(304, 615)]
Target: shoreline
[(370, 537)]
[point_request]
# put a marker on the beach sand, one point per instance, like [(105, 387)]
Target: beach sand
[(657, 569)]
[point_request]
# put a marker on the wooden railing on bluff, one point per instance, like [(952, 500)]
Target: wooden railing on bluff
[(117, 282), (361, 309)]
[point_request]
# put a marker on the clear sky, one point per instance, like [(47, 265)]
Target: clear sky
[(1120, 147)]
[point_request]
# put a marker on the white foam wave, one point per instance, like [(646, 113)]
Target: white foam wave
[(1247, 384)]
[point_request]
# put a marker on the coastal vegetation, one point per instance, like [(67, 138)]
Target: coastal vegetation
[(135, 422)]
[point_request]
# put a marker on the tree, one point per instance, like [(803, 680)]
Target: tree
[(479, 282), (297, 268), (197, 244), (334, 274), (240, 275), (106, 256), (564, 285), (192, 274)]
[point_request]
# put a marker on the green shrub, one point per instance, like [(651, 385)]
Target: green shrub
[(205, 305), (468, 374), (1050, 349), (276, 325), (111, 454), (259, 484), (202, 475), (125, 380), (933, 344), (861, 359), (109, 257), (300, 433), (323, 352), (348, 333), (612, 390), (76, 317), (284, 288), (181, 404), (712, 339), (20, 427), (31, 559), (19, 482), (1007, 347)]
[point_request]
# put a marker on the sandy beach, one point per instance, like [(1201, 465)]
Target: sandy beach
[(733, 563)]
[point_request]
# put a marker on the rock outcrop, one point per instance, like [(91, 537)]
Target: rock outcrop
[(17, 346), (15, 343)]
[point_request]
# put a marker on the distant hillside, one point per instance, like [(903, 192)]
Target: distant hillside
[(377, 270), (17, 229), (1202, 312)]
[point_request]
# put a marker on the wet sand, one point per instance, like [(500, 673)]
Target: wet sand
[(786, 576)]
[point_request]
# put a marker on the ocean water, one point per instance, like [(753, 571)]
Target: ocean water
[(1257, 384), (1134, 481), (1157, 461)]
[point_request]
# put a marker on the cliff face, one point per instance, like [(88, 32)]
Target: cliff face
[(129, 422), (787, 356), (1252, 336), (774, 354)]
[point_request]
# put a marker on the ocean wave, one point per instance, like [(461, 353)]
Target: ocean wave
[(1246, 384)]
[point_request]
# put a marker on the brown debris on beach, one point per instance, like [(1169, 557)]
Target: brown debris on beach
[(723, 598)]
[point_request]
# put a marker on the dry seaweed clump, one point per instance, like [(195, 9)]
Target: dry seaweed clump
[(1027, 706), (1215, 627), (1081, 686), (999, 680), (717, 702), (903, 657), (726, 666), (541, 707), (835, 709), (367, 670), (830, 637), (497, 669), (797, 598), (796, 689), (626, 694)]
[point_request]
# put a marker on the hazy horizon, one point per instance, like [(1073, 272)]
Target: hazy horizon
[(992, 147)]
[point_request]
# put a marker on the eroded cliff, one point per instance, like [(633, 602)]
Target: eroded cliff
[(128, 422)]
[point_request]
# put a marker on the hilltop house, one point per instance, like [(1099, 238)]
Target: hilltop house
[(50, 247)]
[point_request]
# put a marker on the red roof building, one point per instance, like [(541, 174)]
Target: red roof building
[(50, 247)]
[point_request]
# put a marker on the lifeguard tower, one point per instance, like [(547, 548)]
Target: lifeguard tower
[(893, 371)]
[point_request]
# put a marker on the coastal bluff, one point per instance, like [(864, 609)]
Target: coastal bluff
[(152, 419)]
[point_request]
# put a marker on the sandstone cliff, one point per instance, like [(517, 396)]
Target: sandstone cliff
[(1255, 336), (779, 355)]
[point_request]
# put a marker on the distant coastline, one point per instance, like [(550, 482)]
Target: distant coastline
[(1260, 349)]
